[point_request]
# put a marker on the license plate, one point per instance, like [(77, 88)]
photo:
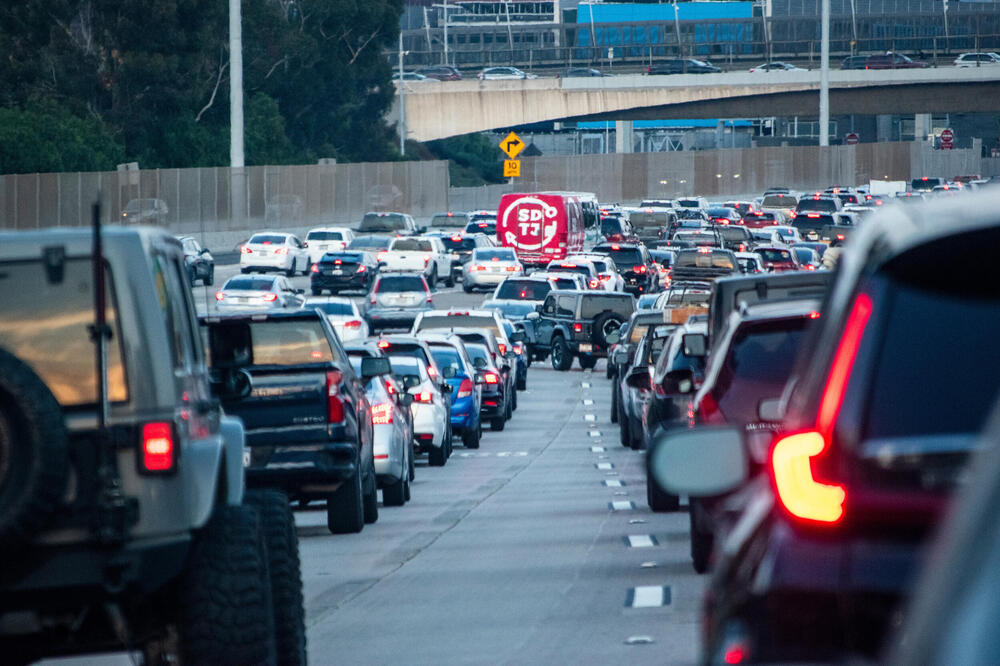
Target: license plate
[(584, 347), (337, 272), (812, 235), (246, 457), (242, 300)]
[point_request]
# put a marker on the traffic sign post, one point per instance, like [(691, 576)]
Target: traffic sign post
[(947, 139), (512, 168), (852, 139), (512, 145)]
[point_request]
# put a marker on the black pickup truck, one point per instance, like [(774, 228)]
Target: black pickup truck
[(308, 423), (704, 263)]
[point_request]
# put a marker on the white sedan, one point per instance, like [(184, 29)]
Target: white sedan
[(274, 250), (244, 292), (343, 314), (607, 272), (776, 67), (488, 267), (431, 413), (504, 74)]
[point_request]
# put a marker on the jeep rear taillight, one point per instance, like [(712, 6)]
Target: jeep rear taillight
[(334, 405), (158, 454)]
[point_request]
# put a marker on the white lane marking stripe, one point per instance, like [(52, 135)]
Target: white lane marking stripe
[(585, 384), (604, 465), (594, 433), (597, 449), (641, 540), (588, 403), (590, 417), (648, 596), (621, 505), (613, 483)]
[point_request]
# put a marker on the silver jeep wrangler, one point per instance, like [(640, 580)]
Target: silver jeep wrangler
[(123, 521)]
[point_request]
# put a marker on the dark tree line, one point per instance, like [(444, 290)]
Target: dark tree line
[(86, 84)]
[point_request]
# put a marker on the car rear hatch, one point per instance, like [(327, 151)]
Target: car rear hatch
[(341, 267), (400, 299)]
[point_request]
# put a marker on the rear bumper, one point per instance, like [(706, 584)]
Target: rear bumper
[(389, 467), (493, 405), (463, 413), (353, 281), (595, 350), (292, 467), (277, 261), (391, 318)]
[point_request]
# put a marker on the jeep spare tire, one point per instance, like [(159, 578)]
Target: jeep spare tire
[(34, 458), (604, 324)]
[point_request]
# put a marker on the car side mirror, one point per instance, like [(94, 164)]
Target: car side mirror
[(230, 345), (449, 372), (480, 380), (533, 316), (771, 409), (695, 345), (203, 251), (406, 399), (678, 382), (703, 462), (375, 366), (421, 230), (638, 379), (613, 337), (620, 357), (518, 336)]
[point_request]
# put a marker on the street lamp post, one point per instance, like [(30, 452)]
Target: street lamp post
[(401, 91), (824, 75), (237, 195)]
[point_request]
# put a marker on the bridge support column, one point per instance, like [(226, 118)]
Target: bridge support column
[(921, 126), (883, 128), (624, 136)]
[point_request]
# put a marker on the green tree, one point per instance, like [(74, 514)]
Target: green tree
[(474, 159)]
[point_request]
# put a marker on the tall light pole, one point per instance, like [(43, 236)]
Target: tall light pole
[(824, 75), (677, 28), (401, 92), (236, 157), (445, 10)]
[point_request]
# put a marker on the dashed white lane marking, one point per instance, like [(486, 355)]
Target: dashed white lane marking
[(498, 454), (590, 417), (648, 565), (613, 483), (621, 505), (639, 640), (588, 403), (611, 474), (597, 449), (621, 493), (604, 465), (594, 433), (640, 541), (648, 596), (585, 384), (637, 521)]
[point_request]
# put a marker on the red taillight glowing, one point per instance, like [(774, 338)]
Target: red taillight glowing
[(477, 267), (840, 236), (814, 315), (503, 347), (735, 654), (362, 269), (281, 250), (616, 247), (158, 451), (705, 250), (219, 296), (512, 269), (432, 372), (466, 388), (800, 493), (491, 378), (425, 397), (381, 256), (427, 259), (605, 278), (353, 323), (270, 297), (383, 344), (245, 250), (382, 413), (315, 268), (843, 362), (594, 283), (456, 239), (578, 328), (337, 262), (639, 269), (334, 405)]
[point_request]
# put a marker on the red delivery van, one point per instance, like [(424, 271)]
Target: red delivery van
[(543, 226)]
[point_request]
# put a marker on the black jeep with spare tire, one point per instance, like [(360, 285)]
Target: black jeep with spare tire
[(576, 324), (124, 525)]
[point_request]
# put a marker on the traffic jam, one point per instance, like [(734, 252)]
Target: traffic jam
[(802, 385)]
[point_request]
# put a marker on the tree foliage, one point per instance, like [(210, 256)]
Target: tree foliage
[(473, 159), (154, 76)]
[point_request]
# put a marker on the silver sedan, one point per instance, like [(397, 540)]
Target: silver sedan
[(488, 267)]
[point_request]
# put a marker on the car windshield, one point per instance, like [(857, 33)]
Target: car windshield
[(499, 254), (249, 284), (697, 259), (369, 243), (447, 357), (324, 235), (383, 222), (594, 305), (774, 255), (411, 245), (523, 290), (397, 283), (296, 342), (449, 220), (266, 239), (758, 364)]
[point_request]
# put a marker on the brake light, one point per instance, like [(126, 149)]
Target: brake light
[(843, 362), (382, 413), (639, 269), (594, 283), (812, 215), (491, 378), (466, 388), (270, 297), (362, 268), (616, 247), (427, 259), (477, 267), (158, 449), (810, 267), (814, 315), (840, 237), (281, 250), (219, 296), (705, 250), (432, 372), (513, 269), (425, 396), (381, 256), (337, 262), (578, 328), (245, 250), (456, 239), (800, 493), (334, 405), (354, 323), (503, 348), (605, 277), (315, 268), (383, 344)]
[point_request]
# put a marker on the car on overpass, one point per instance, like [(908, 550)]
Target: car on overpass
[(504, 74), (682, 66)]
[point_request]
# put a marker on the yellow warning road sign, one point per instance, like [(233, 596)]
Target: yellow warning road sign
[(512, 168), (512, 145)]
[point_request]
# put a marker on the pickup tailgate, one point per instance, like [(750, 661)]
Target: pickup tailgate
[(288, 405), (405, 261)]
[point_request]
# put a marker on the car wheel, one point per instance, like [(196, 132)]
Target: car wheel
[(345, 507), (291, 270), (513, 400), (522, 382), (471, 437), (210, 279), (432, 279), (701, 542), (466, 287), (614, 405), (623, 427), (436, 456), (394, 494), (371, 502), (413, 466), (450, 282), (659, 500), (588, 362), (636, 443), (561, 356)]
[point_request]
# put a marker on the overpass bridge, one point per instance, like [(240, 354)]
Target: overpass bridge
[(440, 109)]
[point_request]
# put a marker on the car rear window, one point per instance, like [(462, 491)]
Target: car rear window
[(697, 259), (483, 227), (644, 220), (382, 222), (396, 283), (500, 254), (511, 310), (778, 201), (458, 321), (812, 220), (775, 255), (266, 239), (478, 351), (46, 325), (324, 235), (458, 243), (624, 256), (369, 243), (821, 204), (569, 268), (446, 357), (523, 290), (735, 233), (352, 257), (443, 220), (593, 305), (296, 342), (610, 225), (411, 245), (249, 284)]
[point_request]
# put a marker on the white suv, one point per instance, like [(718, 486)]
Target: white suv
[(420, 254), (327, 239), (274, 251)]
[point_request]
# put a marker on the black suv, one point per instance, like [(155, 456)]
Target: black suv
[(876, 425), (577, 323), (635, 265)]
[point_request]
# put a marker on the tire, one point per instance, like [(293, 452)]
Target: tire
[(370, 502), (588, 362), (658, 500), (635, 443), (609, 369), (623, 429), (412, 466), (291, 270), (406, 490), (282, 543), (701, 544), (450, 280), (498, 424), (513, 402), (605, 323), (522, 384), (432, 279), (562, 359), (614, 404), (34, 453), (244, 270), (394, 494), (210, 280), (472, 436), (344, 507), (467, 288), (436, 456), (225, 602)]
